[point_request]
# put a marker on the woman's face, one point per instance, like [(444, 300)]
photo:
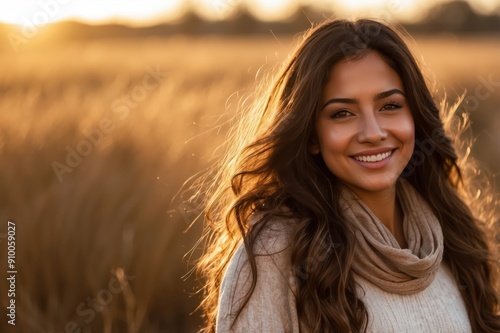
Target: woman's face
[(365, 130)]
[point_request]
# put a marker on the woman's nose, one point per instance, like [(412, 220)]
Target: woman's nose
[(371, 130)]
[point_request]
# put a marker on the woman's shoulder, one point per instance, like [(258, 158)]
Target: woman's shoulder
[(271, 306), (271, 246), (273, 232)]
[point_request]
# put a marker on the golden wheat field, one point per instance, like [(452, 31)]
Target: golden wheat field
[(96, 141)]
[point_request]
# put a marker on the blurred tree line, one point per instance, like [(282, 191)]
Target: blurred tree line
[(454, 17)]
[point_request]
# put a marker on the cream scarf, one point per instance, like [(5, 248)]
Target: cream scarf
[(378, 256)]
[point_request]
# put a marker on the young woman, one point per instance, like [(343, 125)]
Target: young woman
[(341, 206)]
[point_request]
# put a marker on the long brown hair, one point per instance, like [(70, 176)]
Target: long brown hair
[(269, 166)]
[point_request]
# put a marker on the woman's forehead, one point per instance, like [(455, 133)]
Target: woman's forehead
[(370, 73)]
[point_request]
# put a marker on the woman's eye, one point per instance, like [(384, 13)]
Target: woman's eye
[(341, 114), (391, 106)]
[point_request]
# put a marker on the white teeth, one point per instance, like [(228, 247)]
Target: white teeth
[(373, 158)]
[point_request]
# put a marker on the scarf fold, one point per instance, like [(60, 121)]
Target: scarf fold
[(378, 256)]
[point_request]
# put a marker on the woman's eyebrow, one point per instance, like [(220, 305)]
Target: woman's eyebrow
[(377, 97), (387, 94)]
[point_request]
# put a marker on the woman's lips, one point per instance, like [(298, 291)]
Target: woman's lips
[(375, 159)]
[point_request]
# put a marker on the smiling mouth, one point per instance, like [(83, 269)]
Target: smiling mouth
[(373, 158)]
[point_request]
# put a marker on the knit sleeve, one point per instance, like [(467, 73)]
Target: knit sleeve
[(271, 307)]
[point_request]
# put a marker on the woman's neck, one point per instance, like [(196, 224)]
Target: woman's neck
[(385, 207)]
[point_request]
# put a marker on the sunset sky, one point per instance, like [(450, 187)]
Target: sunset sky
[(143, 12)]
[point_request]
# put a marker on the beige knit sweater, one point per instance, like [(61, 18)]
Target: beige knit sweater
[(272, 309)]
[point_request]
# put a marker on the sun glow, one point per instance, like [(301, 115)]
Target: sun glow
[(269, 10), (215, 9), (143, 12), (266, 10), (384, 9), (31, 12)]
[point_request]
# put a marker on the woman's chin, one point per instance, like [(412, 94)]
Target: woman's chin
[(373, 186)]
